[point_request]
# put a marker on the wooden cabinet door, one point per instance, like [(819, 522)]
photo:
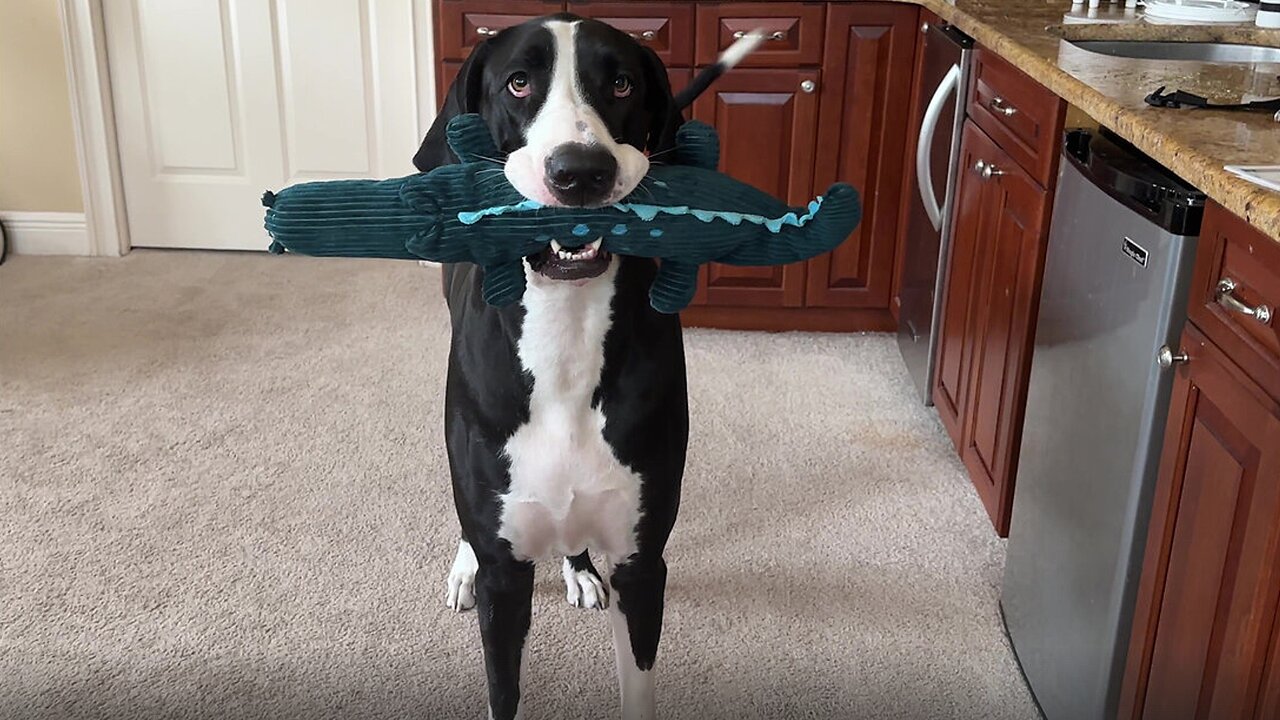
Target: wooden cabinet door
[(1007, 294), (959, 309), (767, 124), (866, 99), (1205, 619), (446, 73), (678, 77), (988, 324)]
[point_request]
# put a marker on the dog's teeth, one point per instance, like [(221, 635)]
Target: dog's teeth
[(595, 246), (556, 246)]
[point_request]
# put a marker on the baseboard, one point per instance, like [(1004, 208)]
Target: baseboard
[(46, 233)]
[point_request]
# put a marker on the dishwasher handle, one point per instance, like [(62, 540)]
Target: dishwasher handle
[(928, 128)]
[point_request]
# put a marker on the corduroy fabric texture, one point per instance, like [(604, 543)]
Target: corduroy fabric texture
[(686, 214)]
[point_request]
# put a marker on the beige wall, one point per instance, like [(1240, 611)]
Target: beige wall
[(38, 169)]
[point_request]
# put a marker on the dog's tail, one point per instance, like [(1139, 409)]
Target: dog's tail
[(732, 55)]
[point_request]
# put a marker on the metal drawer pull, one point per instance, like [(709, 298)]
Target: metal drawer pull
[(999, 105), (1226, 298), (646, 35), (808, 86), (776, 35), (1165, 357), (987, 170), (487, 31)]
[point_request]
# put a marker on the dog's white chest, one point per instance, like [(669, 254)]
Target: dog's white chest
[(568, 491)]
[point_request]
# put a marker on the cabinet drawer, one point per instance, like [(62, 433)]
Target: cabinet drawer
[(793, 32), (463, 25), (667, 28), (1020, 114), (1235, 294)]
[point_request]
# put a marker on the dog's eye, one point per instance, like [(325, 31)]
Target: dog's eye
[(622, 86), (518, 84)]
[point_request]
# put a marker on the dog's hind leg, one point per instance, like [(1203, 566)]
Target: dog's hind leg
[(504, 603), (461, 595), (639, 586), (582, 582)]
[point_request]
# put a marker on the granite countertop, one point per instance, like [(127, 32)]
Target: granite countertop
[(1195, 144)]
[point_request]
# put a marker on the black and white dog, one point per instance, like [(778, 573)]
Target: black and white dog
[(566, 416)]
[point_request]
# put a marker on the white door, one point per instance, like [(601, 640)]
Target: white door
[(219, 100)]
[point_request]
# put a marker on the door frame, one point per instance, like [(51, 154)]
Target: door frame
[(84, 41), (93, 117)]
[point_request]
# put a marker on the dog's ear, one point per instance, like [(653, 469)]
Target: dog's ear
[(463, 97), (664, 117)]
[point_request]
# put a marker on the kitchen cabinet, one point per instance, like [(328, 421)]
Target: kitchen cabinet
[(665, 27), (856, 128), (793, 31), (1023, 118), (862, 132), (767, 124), (463, 24), (1205, 636), (992, 289), (989, 314), (825, 98)]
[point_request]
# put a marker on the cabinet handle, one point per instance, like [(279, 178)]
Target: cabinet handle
[(646, 35), (999, 105), (1166, 359), (487, 31), (775, 36), (987, 170), (924, 27), (1227, 299), (808, 86)]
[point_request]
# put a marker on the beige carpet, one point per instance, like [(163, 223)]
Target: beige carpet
[(224, 495)]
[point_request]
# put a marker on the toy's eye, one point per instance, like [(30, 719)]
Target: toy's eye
[(518, 84), (622, 86)]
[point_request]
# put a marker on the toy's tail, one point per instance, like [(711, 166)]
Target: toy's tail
[(733, 55)]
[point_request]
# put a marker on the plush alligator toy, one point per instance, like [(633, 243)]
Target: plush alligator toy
[(685, 213)]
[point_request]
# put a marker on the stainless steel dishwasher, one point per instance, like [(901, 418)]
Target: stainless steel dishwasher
[(943, 82), (1121, 248)]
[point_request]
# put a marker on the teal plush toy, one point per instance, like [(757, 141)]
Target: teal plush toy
[(684, 213)]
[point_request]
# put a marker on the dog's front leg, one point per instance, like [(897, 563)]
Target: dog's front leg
[(636, 617), (504, 596)]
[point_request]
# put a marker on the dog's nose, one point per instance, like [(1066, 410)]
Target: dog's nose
[(580, 174)]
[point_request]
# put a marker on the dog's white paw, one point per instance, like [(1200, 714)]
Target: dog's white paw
[(462, 579), (584, 589)]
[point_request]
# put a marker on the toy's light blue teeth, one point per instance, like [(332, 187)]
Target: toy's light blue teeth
[(586, 252)]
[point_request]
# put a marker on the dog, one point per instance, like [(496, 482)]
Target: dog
[(566, 415)]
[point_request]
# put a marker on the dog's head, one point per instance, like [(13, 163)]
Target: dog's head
[(574, 105)]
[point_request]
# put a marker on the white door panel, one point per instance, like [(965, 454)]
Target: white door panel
[(182, 45), (219, 100), (324, 65)]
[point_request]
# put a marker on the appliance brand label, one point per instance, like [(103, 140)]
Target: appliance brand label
[(1136, 252)]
